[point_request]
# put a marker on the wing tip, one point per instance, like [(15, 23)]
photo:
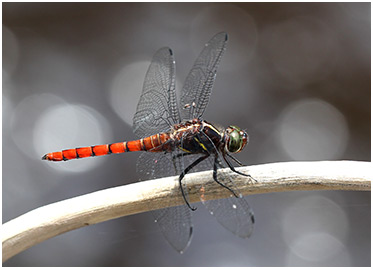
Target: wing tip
[(224, 34), (189, 240), (164, 50)]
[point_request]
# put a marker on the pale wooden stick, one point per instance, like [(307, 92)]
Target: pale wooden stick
[(54, 219)]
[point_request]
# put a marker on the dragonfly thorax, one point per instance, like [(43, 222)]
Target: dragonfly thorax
[(197, 136)]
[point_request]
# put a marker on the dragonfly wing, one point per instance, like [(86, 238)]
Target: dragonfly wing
[(233, 213), (157, 109), (199, 82), (174, 222)]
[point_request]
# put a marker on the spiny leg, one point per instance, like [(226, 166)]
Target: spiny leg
[(234, 159), (216, 163), (234, 170), (181, 155), (215, 176), (186, 170)]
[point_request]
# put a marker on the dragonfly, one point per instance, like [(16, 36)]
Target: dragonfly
[(175, 140)]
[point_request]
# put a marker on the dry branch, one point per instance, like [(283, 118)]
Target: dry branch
[(57, 218)]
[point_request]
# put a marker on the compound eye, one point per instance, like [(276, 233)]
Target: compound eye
[(235, 141)]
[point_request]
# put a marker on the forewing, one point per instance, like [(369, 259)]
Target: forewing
[(199, 82), (157, 109), (174, 222)]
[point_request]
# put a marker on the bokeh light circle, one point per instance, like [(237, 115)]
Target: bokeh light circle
[(315, 228), (126, 89), (316, 246), (312, 129), (69, 126)]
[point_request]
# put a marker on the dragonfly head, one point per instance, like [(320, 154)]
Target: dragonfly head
[(235, 139)]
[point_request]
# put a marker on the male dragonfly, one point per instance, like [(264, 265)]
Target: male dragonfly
[(175, 140)]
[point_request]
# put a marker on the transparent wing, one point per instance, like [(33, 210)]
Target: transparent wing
[(174, 222), (157, 109), (199, 82), (233, 213)]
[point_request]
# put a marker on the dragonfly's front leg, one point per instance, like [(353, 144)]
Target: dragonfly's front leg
[(234, 170), (234, 159), (215, 176)]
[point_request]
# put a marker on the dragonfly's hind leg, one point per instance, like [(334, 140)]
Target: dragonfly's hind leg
[(200, 159), (181, 155)]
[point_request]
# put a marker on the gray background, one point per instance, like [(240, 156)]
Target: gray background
[(295, 76)]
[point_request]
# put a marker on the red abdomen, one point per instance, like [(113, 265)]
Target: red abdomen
[(155, 143)]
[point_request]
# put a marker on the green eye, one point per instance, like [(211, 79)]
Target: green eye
[(235, 141)]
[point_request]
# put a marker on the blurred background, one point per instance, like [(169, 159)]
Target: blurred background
[(296, 76)]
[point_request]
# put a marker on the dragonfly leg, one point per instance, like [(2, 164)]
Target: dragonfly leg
[(181, 155), (186, 170), (234, 159), (234, 170), (215, 176)]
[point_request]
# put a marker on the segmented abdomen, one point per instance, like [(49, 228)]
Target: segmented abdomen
[(154, 143)]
